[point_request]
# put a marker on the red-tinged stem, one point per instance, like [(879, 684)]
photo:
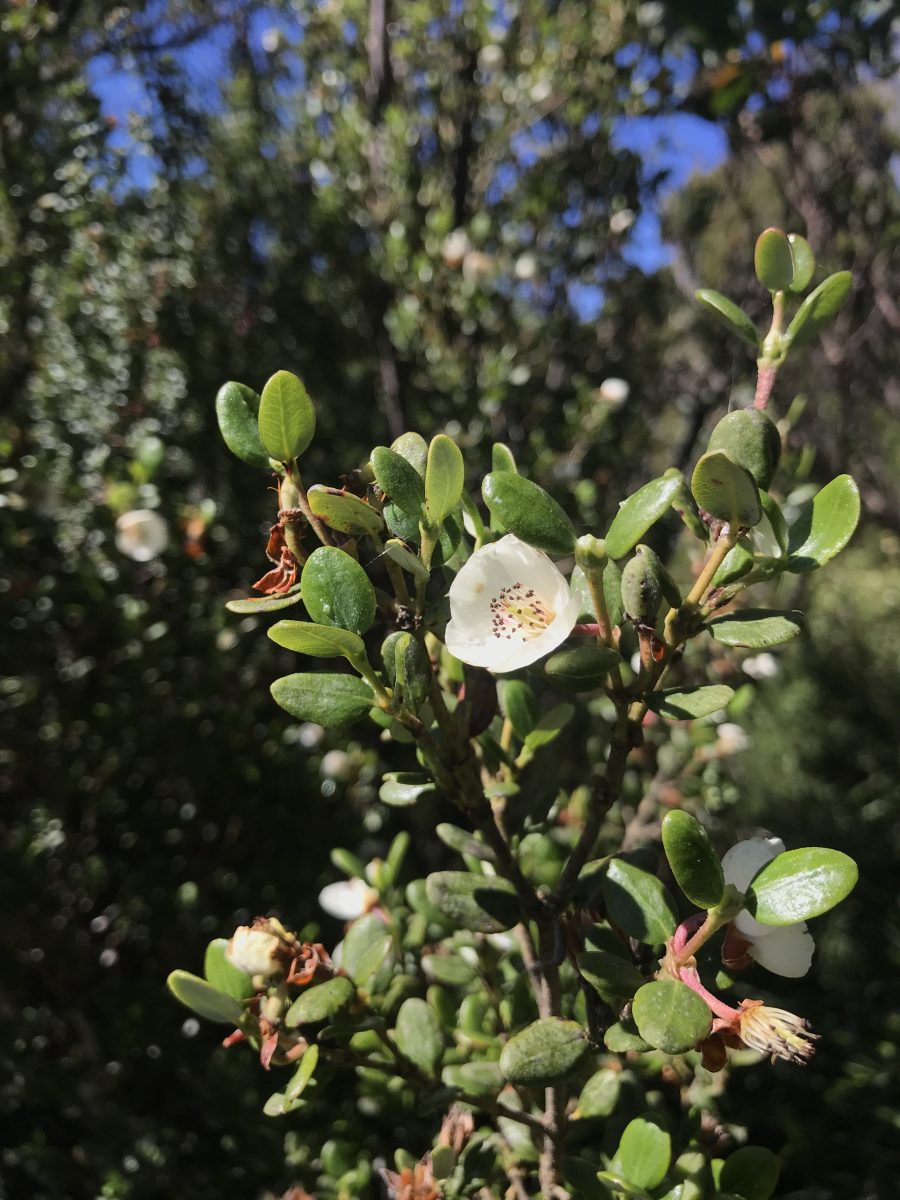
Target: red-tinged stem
[(689, 976)]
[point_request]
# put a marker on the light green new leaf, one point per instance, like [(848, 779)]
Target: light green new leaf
[(318, 641), (824, 526), (804, 262), (264, 604), (644, 1152), (444, 478), (728, 314), (326, 699), (223, 974), (204, 999), (818, 309), (344, 512), (236, 409), (641, 510), (418, 1034), (726, 490), (773, 260), (287, 419)]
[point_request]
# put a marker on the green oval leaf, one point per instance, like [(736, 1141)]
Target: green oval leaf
[(819, 307), (204, 999), (623, 1036), (325, 698), (670, 1016), (694, 863), (525, 509), (444, 478), (337, 591), (686, 704), (804, 262), (474, 1078), (609, 975), (263, 604), (221, 972), (402, 788), (519, 705), (599, 1095), (236, 409), (800, 884), (287, 419), (728, 314), (773, 260), (641, 510), (638, 903), (643, 1153), (418, 1034), (318, 641), (726, 490), (751, 1173), (414, 448), (502, 458), (486, 904), (751, 439), (301, 1078), (580, 668), (756, 628), (344, 512), (399, 480), (542, 1053), (366, 946), (320, 1002), (824, 526)]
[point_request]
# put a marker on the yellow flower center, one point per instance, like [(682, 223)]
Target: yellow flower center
[(519, 613)]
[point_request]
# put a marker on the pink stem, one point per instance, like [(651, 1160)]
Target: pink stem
[(689, 976), (587, 630), (685, 929)]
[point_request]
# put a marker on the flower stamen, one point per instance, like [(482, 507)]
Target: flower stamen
[(519, 613), (776, 1032)]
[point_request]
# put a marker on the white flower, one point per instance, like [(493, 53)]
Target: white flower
[(731, 738), (760, 666), (784, 949), (613, 391), (509, 606), (348, 899), (141, 534), (255, 951), (455, 248)]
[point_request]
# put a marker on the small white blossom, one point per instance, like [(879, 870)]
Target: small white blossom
[(509, 606), (613, 391), (760, 666), (455, 248), (255, 951), (348, 899), (731, 738), (783, 949), (141, 534)]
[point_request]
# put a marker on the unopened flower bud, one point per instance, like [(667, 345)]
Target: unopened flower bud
[(642, 587), (590, 553), (141, 534), (750, 438), (255, 950)]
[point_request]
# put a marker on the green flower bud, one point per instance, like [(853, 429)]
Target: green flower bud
[(642, 590), (590, 553), (412, 671)]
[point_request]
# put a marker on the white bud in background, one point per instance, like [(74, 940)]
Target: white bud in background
[(760, 666), (526, 266), (141, 534), (621, 221), (613, 391), (348, 899), (455, 248)]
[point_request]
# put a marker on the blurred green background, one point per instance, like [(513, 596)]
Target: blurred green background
[(459, 216)]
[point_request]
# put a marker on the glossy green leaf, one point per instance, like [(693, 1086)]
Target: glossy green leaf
[(818, 309), (318, 641), (728, 314), (599, 1095), (236, 409), (525, 509), (804, 262), (638, 903), (773, 514), (824, 526), (444, 478), (344, 512), (641, 510), (264, 604), (418, 1034), (337, 591), (474, 1078), (519, 705), (543, 1053), (399, 480), (485, 904), (756, 628), (773, 260), (643, 1153), (751, 1173), (302, 1077), (726, 490), (204, 999), (612, 977), (750, 438), (404, 558), (735, 565), (320, 1002), (325, 698), (687, 704), (287, 419), (670, 1016), (402, 788), (366, 945), (221, 972), (694, 863), (800, 884), (580, 668)]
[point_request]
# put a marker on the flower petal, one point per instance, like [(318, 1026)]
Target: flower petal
[(786, 950), (348, 899), (741, 862)]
